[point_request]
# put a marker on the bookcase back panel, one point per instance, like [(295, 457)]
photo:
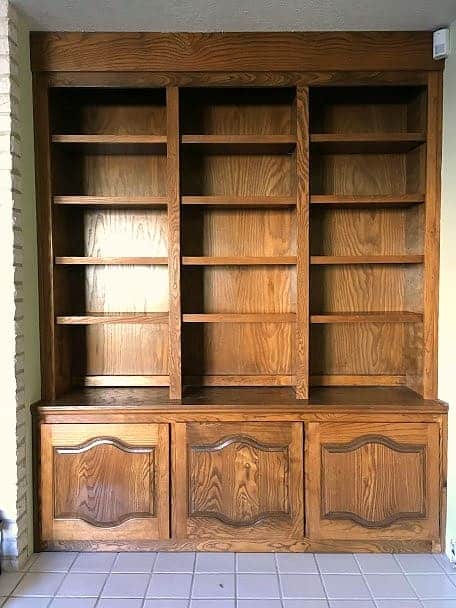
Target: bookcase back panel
[(239, 289), (106, 232), (126, 289), (113, 112), (86, 172), (239, 232), (238, 111), (111, 288), (358, 349), (121, 349), (366, 231), (364, 288), (367, 110), (237, 174), (239, 348), (358, 174)]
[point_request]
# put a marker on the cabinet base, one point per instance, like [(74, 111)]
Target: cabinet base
[(219, 545)]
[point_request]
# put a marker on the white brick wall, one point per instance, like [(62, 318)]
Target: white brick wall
[(13, 415)]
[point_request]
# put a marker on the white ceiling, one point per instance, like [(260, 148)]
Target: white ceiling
[(236, 15)]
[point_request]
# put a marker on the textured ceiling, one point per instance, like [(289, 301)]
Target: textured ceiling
[(236, 15)]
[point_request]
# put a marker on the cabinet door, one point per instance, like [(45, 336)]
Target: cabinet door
[(104, 482), (242, 481), (373, 481)]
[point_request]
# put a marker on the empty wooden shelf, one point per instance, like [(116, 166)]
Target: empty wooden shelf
[(112, 201), (238, 248)]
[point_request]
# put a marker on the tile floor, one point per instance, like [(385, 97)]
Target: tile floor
[(226, 580)]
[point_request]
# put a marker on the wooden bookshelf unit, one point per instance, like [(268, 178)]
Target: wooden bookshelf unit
[(239, 292)]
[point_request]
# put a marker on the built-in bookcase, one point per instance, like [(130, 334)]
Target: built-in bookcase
[(229, 181), (367, 159)]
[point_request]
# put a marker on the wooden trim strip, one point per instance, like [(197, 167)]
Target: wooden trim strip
[(240, 380), (356, 380), (302, 240), (432, 235), (174, 245), (122, 381), (284, 317), (45, 240), (232, 51), (229, 79)]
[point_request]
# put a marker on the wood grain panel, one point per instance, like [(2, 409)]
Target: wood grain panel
[(432, 236), (303, 246), (241, 51), (373, 480), (244, 479), (174, 238), (104, 482), (370, 109), (118, 288), (114, 80), (364, 288), (118, 112), (239, 232), (358, 174), (358, 349), (55, 377), (244, 348), (238, 111), (393, 486), (239, 289), (238, 175), (82, 172), (105, 232), (130, 349), (360, 232), (239, 481), (101, 465), (393, 404)]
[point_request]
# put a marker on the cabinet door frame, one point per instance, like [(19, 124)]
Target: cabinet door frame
[(124, 436), (182, 522), (419, 438)]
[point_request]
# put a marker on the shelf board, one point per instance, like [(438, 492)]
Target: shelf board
[(256, 399), (381, 200), (115, 144), (80, 260), (108, 139), (238, 261), (95, 318), (242, 144), (366, 142), (240, 201), (288, 317), (112, 201), (368, 317), (366, 259)]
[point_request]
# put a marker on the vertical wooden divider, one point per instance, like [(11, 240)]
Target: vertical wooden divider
[(432, 233), (45, 235), (302, 243), (174, 243)]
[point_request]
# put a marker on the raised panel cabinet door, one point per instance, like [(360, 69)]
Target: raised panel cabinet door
[(104, 482), (240, 481), (373, 481)]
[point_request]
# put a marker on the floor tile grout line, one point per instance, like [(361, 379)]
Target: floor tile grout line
[(101, 590), (404, 573), (192, 584), (321, 578), (366, 582), (236, 602), (22, 575), (235, 582), (279, 580)]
